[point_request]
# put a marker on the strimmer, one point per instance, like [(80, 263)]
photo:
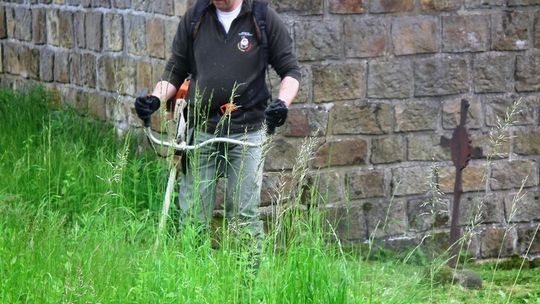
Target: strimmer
[(178, 144)]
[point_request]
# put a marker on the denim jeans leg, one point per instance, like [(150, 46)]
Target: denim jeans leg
[(197, 188), (244, 171)]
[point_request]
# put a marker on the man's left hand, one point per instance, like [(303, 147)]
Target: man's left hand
[(276, 114)]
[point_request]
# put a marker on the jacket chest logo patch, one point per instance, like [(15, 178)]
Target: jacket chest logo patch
[(245, 44)]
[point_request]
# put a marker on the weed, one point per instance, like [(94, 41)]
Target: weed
[(78, 216)]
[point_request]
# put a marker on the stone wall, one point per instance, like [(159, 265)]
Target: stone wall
[(382, 83)]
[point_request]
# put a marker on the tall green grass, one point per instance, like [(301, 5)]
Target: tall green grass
[(78, 221)]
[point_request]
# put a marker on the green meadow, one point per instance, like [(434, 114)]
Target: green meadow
[(79, 210)]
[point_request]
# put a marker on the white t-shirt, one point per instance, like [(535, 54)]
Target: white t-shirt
[(226, 18)]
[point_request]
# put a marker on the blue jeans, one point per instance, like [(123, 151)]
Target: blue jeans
[(243, 167)]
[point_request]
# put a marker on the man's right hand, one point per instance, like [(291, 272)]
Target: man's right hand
[(145, 106)]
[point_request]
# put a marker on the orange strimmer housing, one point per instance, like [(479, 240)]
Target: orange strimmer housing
[(181, 94)]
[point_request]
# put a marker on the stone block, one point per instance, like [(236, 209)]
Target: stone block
[(473, 176), (11, 59), (528, 240), (165, 7), (348, 222), (46, 65), (441, 5), (3, 31), (389, 149), (120, 4), (79, 29), (489, 144), (101, 3), (180, 7), (113, 32), (6, 82), (29, 62), (478, 209), (112, 112), (536, 26), (415, 35), (440, 76), (61, 67), (302, 7), (396, 6), (74, 68), (452, 113), (53, 35), (325, 188), (10, 22), (106, 73), (365, 37), (1, 62), (507, 175), (306, 120), (39, 26), (497, 107), (317, 40), (83, 69), (426, 147), (97, 106), (390, 80), (93, 25), (122, 113), (484, 3), (128, 106), (155, 38), (282, 154), (428, 213), (528, 72), (409, 181), (341, 152), (523, 2), (365, 184), (136, 40), (493, 72), (275, 187), (74, 98), (144, 76), (527, 142), (347, 6), (157, 69), (125, 72), (339, 81), (142, 5), (305, 93), (23, 23), (73, 2), (417, 117), (522, 207), (65, 29), (402, 244), (497, 241), (470, 33), (385, 217), (361, 118), (510, 31), (170, 31)]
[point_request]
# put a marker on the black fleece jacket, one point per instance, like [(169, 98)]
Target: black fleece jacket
[(222, 61)]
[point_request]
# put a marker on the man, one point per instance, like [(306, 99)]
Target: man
[(222, 51)]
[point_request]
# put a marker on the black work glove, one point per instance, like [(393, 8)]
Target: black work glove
[(145, 106), (276, 114)]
